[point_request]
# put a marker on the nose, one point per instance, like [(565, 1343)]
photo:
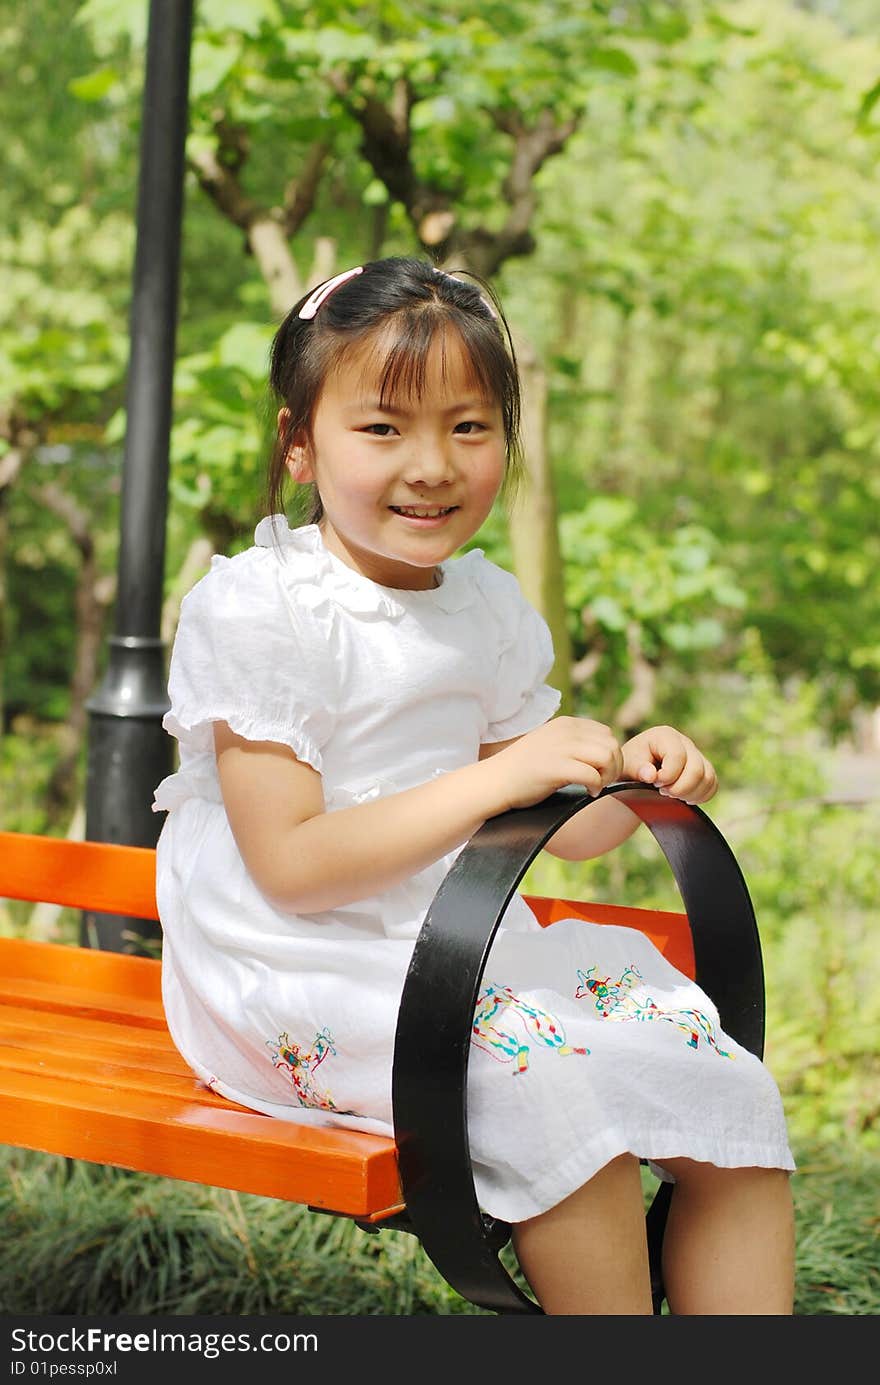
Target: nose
[(429, 463)]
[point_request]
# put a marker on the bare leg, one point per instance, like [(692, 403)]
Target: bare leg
[(588, 1254), (729, 1242)]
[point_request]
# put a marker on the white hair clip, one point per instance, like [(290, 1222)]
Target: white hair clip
[(323, 292)]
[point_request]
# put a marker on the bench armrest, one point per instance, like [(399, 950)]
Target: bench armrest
[(435, 1019)]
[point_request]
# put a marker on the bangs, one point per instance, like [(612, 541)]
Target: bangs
[(399, 358)]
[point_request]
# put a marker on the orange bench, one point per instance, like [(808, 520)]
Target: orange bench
[(88, 1069)]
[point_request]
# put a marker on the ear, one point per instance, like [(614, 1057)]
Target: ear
[(298, 459)]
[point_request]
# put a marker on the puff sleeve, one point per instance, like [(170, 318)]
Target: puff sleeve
[(521, 699), (248, 654)]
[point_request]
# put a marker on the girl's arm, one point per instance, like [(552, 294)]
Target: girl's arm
[(661, 756), (307, 860)]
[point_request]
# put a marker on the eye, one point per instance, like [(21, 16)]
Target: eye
[(379, 430), (469, 427)]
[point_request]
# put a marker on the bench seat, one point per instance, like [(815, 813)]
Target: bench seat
[(88, 1070)]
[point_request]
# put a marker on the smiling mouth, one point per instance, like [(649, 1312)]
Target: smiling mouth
[(423, 511)]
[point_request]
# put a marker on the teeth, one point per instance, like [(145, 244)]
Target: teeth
[(422, 514)]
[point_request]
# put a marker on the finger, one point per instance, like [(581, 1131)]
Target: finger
[(587, 776), (709, 787), (598, 746), (611, 768), (696, 783), (672, 766), (602, 752), (594, 777)]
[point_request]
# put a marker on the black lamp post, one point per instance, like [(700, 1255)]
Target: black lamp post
[(128, 752)]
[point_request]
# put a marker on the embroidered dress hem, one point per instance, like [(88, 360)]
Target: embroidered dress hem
[(295, 1115)]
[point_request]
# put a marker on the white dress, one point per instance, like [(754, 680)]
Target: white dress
[(586, 1044)]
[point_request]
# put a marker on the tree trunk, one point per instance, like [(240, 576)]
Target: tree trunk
[(94, 594), (268, 243), (534, 534), (10, 468), (619, 391)]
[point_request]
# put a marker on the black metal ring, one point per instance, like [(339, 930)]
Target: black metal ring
[(432, 1044)]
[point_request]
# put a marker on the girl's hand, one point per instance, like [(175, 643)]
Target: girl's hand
[(663, 756), (566, 750)]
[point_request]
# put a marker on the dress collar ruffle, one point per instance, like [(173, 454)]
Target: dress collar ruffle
[(332, 579)]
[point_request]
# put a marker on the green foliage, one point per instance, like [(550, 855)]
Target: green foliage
[(711, 335), (43, 564), (220, 443), (85, 1240), (837, 1231), (27, 758), (708, 303), (62, 347), (460, 71), (812, 865), (66, 240), (628, 588), (92, 1240)]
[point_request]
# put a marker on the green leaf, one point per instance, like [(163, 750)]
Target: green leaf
[(608, 612), (375, 194), (115, 428), (95, 86), (867, 104), (726, 594), (330, 45), (211, 64), (609, 512), (697, 634), (613, 60), (245, 345), (109, 20), (241, 16)]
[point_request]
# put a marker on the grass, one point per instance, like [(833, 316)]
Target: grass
[(84, 1240)]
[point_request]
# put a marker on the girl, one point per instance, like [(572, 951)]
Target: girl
[(352, 702)]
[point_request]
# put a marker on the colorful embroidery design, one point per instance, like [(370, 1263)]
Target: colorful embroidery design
[(499, 1012), (301, 1065), (626, 999)]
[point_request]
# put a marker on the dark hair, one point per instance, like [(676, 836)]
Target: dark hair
[(414, 300)]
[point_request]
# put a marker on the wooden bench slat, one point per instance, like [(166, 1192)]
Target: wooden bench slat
[(225, 1147), (90, 1003), (102, 876), (115, 972), (39, 1058), (73, 1034)]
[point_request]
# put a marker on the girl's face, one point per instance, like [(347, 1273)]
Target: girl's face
[(405, 485)]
